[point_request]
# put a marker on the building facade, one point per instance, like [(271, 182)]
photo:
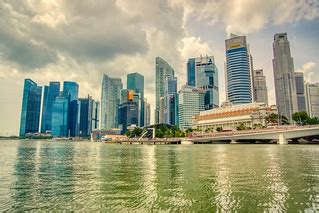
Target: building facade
[(170, 100), (110, 101), (95, 115), (191, 102), (31, 106), (162, 69), (85, 116), (238, 74), (147, 113), (71, 90), (312, 99), (191, 66), (300, 89), (260, 91), (284, 77), (128, 115), (60, 116), (44, 107)]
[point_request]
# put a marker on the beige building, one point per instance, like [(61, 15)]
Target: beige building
[(231, 116)]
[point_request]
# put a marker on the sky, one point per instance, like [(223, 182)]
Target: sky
[(80, 40)]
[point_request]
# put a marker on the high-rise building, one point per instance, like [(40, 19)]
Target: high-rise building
[(95, 115), (128, 115), (85, 116), (170, 100), (44, 107), (162, 69), (191, 72), (135, 82), (191, 102), (71, 89), (124, 94), (260, 91), (31, 106), (206, 78), (312, 97), (53, 92), (238, 70), (300, 89), (110, 101), (285, 86), (147, 112), (60, 116)]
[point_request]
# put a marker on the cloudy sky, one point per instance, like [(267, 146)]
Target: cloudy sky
[(79, 40)]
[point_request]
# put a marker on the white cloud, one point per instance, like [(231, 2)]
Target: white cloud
[(310, 71)]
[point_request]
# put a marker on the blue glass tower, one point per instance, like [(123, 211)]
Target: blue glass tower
[(31, 105), (191, 72), (71, 89), (60, 116), (44, 107), (48, 100), (135, 82), (238, 70), (170, 100), (128, 115)]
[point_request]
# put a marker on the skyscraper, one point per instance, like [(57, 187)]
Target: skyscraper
[(31, 106), (128, 115), (135, 82), (259, 87), (85, 116), (53, 92), (110, 101), (191, 72), (312, 96), (44, 107), (206, 78), (300, 89), (283, 66), (162, 69), (170, 100), (95, 115), (238, 70), (191, 102), (60, 116), (71, 89), (147, 112)]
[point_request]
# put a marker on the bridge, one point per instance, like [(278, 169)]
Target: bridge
[(281, 134)]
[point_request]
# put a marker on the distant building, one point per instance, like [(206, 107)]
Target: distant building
[(135, 82), (260, 87), (60, 116), (238, 74), (191, 102), (231, 116), (170, 100), (31, 105), (191, 67), (284, 77), (44, 107), (312, 94), (48, 100), (300, 89), (110, 101), (71, 90), (128, 115), (147, 113), (85, 116), (161, 114), (95, 115), (206, 78), (162, 69)]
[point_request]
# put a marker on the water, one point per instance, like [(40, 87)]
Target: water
[(38, 175)]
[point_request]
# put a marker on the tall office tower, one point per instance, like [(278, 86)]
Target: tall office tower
[(162, 69), (110, 101), (53, 92), (161, 114), (285, 86), (60, 116), (312, 97), (300, 89), (85, 116), (44, 107), (191, 102), (238, 70), (147, 112), (71, 89), (124, 94), (135, 82), (128, 115), (95, 115), (191, 72), (260, 87), (170, 100), (206, 78), (31, 106)]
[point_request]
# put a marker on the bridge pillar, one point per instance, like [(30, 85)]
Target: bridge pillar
[(282, 139)]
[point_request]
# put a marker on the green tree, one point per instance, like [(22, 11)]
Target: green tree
[(313, 121), (219, 129), (301, 118), (242, 126)]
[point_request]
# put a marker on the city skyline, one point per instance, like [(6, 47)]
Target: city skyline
[(183, 32)]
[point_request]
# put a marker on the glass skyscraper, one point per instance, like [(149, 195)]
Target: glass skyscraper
[(71, 89), (238, 70), (128, 115), (191, 72), (31, 106), (60, 116), (135, 82), (44, 107), (48, 100), (110, 101), (170, 100), (162, 69), (259, 87), (300, 89)]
